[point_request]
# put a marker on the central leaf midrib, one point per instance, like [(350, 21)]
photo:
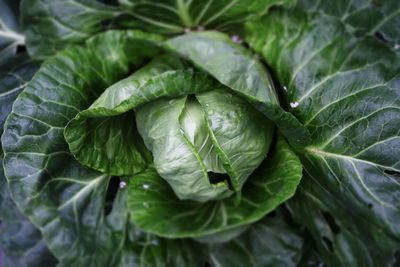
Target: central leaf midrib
[(183, 12), (322, 153)]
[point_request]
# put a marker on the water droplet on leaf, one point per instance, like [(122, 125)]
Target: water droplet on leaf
[(122, 184)]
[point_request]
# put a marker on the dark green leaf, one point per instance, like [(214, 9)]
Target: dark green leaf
[(363, 16), (155, 208), (341, 236), (10, 36), (62, 198), (14, 76), (346, 91), (270, 242), (52, 25), (173, 16), (21, 243)]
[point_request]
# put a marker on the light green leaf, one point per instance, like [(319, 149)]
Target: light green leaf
[(242, 135), (173, 16), (154, 207), (193, 138), (91, 128), (176, 160), (347, 94), (235, 67)]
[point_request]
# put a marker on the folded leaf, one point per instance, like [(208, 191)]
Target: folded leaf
[(235, 67), (99, 136), (154, 207)]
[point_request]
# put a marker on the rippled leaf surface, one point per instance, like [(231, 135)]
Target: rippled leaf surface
[(363, 16), (347, 92), (173, 16), (14, 76), (65, 200), (21, 243), (52, 25)]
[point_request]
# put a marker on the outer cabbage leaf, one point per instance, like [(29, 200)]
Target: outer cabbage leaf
[(65, 200), (10, 36), (53, 25), (346, 91), (351, 242), (269, 242), (234, 66), (14, 76), (363, 16), (21, 243), (173, 16), (155, 208)]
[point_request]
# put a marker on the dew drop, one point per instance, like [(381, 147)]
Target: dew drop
[(146, 186), (146, 205), (294, 104), (122, 184), (236, 39)]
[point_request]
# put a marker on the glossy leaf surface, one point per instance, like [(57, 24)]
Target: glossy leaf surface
[(21, 243), (234, 66), (65, 200), (154, 207), (173, 16), (53, 25), (346, 92)]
